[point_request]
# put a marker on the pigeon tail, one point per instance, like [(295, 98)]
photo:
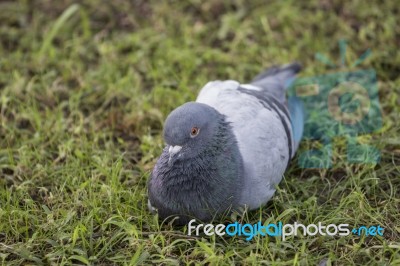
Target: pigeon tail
[(277, 79), (281, 73)]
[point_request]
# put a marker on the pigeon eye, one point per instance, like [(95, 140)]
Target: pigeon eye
[(194, 132)]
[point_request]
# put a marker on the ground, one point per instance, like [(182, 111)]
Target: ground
[(85, 89)]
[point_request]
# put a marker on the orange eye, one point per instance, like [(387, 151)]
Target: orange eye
[(194, 131)]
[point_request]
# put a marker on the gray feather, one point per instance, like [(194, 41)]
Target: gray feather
[(199, 186), (276, 79)]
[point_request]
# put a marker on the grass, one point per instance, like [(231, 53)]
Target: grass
[(84, 91)]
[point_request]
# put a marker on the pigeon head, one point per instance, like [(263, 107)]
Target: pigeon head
[(188, 129), (199, 172)]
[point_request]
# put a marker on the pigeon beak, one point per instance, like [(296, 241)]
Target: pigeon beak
[(173, 150)]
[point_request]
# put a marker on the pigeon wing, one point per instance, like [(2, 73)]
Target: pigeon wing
[(263, 131)]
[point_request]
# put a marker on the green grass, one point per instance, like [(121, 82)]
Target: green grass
[(84, 91)]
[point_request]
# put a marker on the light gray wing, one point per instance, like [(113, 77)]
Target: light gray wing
[(259, 126)]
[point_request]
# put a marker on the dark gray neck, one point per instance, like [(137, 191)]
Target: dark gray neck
[(204, 185)]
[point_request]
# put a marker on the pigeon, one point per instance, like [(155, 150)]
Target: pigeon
[(229, 149)]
